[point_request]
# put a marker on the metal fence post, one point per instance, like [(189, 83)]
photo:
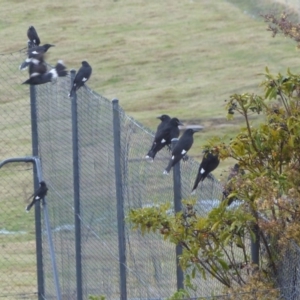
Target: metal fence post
[(76, 186), (255, 245), (37, 211), (120, 199), (49, 234), (177, 208), (38, 171)]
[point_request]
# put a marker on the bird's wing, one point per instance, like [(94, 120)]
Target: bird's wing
[(35, 193), (37, 68)]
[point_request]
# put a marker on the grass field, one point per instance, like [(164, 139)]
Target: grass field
[(183, 58), (180, 58)]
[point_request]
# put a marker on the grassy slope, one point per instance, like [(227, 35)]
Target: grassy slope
[(183, 58)]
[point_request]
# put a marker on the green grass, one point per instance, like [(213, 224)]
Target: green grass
[(182, 58), (17, 247)]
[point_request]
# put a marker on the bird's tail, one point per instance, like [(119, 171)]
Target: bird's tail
[(150, 155), (28, 207), (198, 179), (168, 168), (28, 81), (71, 92), (59, 70), (24, 65), (194, 189), (73, 89)]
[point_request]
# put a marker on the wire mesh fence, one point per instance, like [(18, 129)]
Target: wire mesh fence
[(17, 229), (150, 261), (289, 275)]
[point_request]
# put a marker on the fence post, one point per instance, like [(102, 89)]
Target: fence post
[(255, 245), (76, 187), (38, 168), (120, 199), (37, 210), (177, 208)]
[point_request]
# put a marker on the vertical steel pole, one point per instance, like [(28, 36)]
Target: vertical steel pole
[(49, 234), (120, 199), (255, 246), (37, 211), (177, 208), (76, 186)]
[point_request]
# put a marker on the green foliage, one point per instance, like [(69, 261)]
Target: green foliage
[(269, 154), (208, 242), (93, 297), (180, 294)]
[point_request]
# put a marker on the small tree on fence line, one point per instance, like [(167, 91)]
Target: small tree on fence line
[(268, 190)]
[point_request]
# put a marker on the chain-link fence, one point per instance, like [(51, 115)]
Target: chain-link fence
[(76, 143), (289, 273), (150, 262), (17, 229)]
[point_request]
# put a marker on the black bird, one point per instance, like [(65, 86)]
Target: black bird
[(34, 39), (39, 194), (167, 131), (82, 76), (209, 163), (234, 172), (164, 121), (38, 76), (37, 65), (34, 53), (182, 147)]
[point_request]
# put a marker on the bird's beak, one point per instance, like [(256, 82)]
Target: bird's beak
[(180, 123), (196, 129), (159, 117), (52, 45)]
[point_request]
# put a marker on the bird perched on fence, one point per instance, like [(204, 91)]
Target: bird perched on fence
[(234, 172), (208, 164), (37, 64), (168, 130), (82, 76), (39, 76), (164, 121), (181, 148), (162, 131), (33, 37), (34, 53), (38, 195)]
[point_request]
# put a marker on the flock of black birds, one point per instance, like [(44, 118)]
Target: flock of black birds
[(39, 74), (166, 131), (38, 69)]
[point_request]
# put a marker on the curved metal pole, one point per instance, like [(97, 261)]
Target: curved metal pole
[(37, 164), (17, 159)]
